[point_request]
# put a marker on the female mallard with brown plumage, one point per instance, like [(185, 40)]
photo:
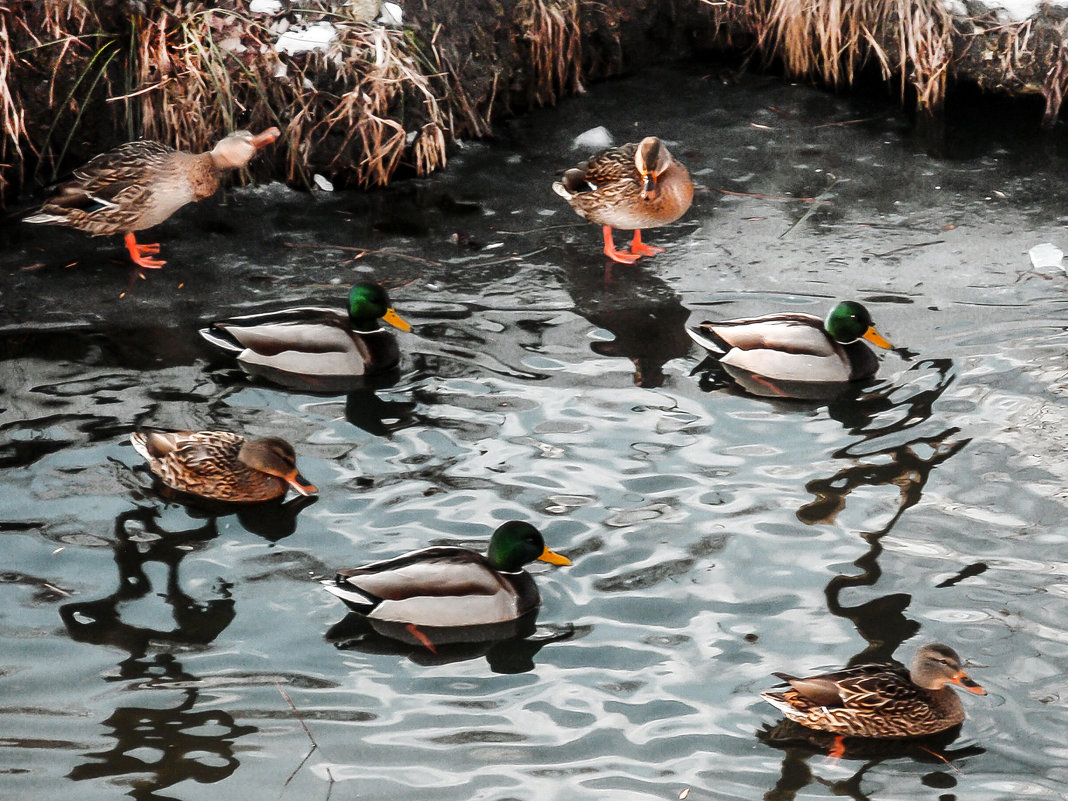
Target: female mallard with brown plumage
[(796, 347), (880, 700), (221, 465), (634, 186), (140, 184)]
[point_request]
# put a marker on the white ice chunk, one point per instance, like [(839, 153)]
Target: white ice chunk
[(323, 183), (1045, 255), (312, 37), (594, 139), (265, 6), (392, 15)]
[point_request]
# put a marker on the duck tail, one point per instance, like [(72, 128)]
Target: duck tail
[(218, 336), (353, 598), (704, 336)]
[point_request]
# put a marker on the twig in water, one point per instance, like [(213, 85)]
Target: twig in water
[(816, 201), (361, 252), (763, 197), (296, 712), (908, 247)]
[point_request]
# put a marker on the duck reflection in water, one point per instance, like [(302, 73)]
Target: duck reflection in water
[(186, 740), (196, 622), (800, 744), (643, 313), (508, 647)]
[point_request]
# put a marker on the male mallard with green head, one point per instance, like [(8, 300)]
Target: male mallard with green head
[(302, 346), (880, 700), (140, 184), (797, 347), (222, 466), (634, 186), (450, 586)]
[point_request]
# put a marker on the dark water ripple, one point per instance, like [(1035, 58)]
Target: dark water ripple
[(160, 651)]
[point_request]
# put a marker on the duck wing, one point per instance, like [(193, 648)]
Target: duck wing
[(308, 330), (108, 193), (443, 586), (800, 334)]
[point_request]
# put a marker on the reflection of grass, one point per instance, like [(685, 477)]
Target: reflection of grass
[(358, 109)]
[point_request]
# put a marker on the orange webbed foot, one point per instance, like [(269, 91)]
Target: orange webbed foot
[(621, 256), (838, 749), (139, 253), (642, 249)]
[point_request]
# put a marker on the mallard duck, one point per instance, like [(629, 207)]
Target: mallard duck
[(880, 700), (222, 466), (307, 346), (140, 184), (634, 186), (797, 347), (450, 586)]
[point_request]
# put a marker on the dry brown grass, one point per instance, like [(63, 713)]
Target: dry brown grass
[(193, 71), (833, 39), (552, 34)]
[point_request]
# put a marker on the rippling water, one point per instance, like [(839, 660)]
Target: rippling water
[(163, 652)]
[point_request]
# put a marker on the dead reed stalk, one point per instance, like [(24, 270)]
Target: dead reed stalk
[(833, 39), (553, 36)]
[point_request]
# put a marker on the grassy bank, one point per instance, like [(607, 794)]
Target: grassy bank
[(77, 77)]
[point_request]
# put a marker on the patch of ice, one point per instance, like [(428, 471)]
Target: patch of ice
[(312, 37), (594, 139), (1045, 255), (1006, 10), (323, 183), (392, 15), (265, 6)]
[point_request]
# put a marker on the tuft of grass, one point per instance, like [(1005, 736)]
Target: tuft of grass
[(832, 39), (553, 37)]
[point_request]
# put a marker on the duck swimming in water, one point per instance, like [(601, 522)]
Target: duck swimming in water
[(797, 347), (449, 586), (315, 347), (880, 700), (222, 466)]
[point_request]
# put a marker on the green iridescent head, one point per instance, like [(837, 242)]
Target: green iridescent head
[(515, 544), (369, 303), (849, 321)]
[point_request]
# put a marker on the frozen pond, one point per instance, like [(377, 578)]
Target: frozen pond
[(158, 651)]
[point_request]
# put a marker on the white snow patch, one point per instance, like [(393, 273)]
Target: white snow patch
[(594, 139), (1007, 10), (1045, 255), (392, 15), (323, 183), (300, 40), (265, 6)]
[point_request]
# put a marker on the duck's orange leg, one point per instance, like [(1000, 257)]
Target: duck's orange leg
[(838, 749), (617, 255), (139, 253), (642, 249)]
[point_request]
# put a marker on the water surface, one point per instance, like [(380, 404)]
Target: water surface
[(160, 651)]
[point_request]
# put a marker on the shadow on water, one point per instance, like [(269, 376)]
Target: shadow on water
[(642, 312), (138, 540), (508, 647), (171, 744), (800, 744)]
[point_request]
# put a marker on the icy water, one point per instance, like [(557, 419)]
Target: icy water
[(158, 651)]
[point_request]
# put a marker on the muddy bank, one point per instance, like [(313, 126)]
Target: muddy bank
[(366, 92)]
